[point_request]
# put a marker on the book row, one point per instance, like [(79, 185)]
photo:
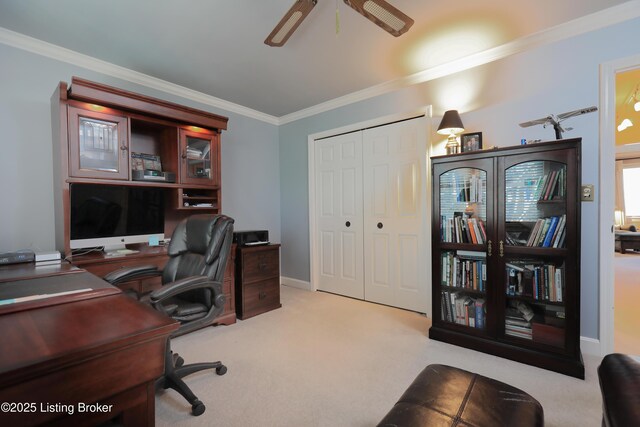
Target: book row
[(545, 326), (460, 272), (463, 230), (540, 282), (471, 190), (462, 309), (552, 185), (549, 232), (517, 320)]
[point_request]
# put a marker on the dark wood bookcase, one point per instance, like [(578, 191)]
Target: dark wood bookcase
[(506, 253)]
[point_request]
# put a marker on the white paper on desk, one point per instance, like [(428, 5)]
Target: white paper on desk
[(40, 296)]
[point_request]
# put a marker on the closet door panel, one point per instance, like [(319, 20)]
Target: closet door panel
[(338, 163), (393, 159)]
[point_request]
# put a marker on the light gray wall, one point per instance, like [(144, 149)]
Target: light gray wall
[(250, 171), (264, 187), (552, 79)]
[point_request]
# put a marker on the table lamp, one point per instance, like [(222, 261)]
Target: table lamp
[(451, 125)]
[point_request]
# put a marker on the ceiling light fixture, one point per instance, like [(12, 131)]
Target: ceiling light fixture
[(289, 22), (625, 108), (383, 15), (626, 123)]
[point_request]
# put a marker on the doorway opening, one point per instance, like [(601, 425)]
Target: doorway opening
[(620, 169)]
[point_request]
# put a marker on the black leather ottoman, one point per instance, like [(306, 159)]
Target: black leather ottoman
[(446, 396), (619, 377)]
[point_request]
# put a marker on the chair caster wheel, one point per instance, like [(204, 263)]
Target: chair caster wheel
[(221, 370), (197, 408), (179, 362)]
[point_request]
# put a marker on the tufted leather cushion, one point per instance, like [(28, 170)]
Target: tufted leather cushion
[(446, 396), (200, 246), (620, 385)]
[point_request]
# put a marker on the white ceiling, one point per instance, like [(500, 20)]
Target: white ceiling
[(216, 46)]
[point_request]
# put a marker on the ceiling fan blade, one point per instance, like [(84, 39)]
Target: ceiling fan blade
[(289, 23), (383, 15)]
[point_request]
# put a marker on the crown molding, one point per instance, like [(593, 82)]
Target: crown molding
[(585, 24), (39, 47)]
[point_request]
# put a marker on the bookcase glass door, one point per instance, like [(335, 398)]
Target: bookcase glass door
[(99, 148), (198, 152), (535, 209), (98, 145), (463, 236), (535, 204)]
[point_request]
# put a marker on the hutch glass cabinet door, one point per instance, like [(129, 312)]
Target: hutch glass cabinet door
[(199, 158), (463, 206), (97, 145), (533, 247)]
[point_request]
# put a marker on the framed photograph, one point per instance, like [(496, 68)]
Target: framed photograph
[(471, 141)]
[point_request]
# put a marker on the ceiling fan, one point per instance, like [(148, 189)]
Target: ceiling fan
[(379, 12)]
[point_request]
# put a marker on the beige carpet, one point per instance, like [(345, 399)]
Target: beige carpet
[(626, 300), (326, 360)]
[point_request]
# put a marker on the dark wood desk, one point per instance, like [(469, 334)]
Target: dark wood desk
[(626, 240), (106, 349)]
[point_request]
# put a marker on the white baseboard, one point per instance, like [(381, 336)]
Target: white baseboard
[(295, 283), (590, 346)]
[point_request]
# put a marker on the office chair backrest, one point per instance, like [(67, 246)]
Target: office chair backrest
[(200, 246)]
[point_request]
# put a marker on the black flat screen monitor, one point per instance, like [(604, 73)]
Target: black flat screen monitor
[(113, 215)]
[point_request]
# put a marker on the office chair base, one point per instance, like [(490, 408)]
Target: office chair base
[(197, 408), (177, 360), (175, 370)]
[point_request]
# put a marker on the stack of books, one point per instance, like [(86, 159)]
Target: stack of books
[(552, 186), (462, 309), (460, 229), (517, 322), (549, 232), (544, 282), (464, 269)]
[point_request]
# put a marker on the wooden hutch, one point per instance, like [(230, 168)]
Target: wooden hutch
[(100, 135)]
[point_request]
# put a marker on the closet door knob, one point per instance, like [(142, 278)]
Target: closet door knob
[(380, 225), (348, 223)]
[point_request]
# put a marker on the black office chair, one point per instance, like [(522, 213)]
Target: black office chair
[(191, 291)]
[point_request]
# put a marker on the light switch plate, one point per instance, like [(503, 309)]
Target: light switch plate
[(588, 193)]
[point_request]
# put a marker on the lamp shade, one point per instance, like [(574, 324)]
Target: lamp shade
[(451, 123)]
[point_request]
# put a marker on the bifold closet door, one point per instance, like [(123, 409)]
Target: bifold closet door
[(338, 173), (394, 202)]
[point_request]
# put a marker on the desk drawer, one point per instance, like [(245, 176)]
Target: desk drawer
[(260, 264), (259, 297), (142, 286), (104, 267), (95, 378)]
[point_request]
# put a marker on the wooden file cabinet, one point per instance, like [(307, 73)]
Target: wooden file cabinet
[(257, 280)]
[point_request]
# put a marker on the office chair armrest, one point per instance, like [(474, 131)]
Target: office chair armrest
[(187, 284), (131, 273)]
